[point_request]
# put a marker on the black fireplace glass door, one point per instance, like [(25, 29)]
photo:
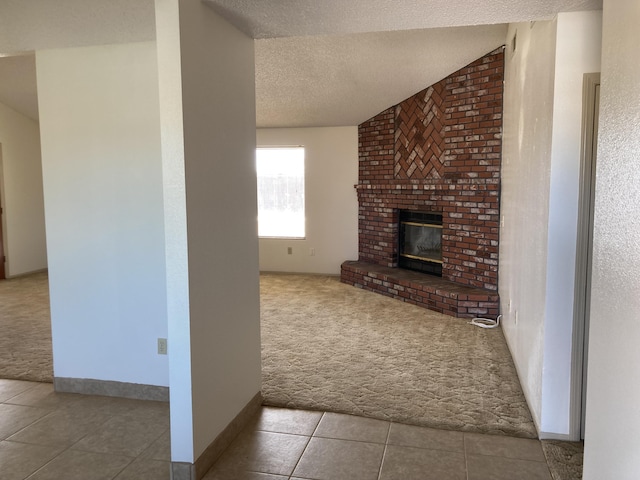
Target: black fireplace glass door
[(420, 242), (423, 242)]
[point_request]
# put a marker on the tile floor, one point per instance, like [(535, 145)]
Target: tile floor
[(53, 436), (49, 436), (292, 444)]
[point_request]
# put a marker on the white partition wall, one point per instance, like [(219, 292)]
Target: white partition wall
[(526, 167), (100, 131), (207, 102), (150, 195), (539, 204), (578, 46)]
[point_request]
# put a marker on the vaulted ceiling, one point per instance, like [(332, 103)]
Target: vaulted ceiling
[(297, 18), (318, 63)]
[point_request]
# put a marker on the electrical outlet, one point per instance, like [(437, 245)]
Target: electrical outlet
[(289, 250), (516, 321), (312, 252), (162, 346)]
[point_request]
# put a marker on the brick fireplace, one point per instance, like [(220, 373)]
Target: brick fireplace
[(437, 152)]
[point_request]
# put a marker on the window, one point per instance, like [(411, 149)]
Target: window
[(280, 192)]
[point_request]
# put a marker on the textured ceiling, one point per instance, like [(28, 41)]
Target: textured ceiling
[(346, 79), (28, 25), (318, 63), (338, 62), (290, 18)]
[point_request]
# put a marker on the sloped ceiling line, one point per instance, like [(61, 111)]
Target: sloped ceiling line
[(318, 63)]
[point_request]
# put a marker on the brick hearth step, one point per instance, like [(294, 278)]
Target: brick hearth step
[(421, 289)]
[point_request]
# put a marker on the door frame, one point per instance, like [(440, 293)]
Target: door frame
[(584, 246), (3, 258)]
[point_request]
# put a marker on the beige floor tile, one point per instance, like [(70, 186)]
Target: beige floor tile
[(284, 420), (152, 415), (160, 449), (121, 436), (332, 459), (43, 395), (19, 460), (151, 410), (145, 469), (484, 467), (500, 446), (242, 476), (408, 463), (16, 417), (107, 405), (75, 465), (422, 437), (11, 388), (350, 427), (60, 428), (265, 452)]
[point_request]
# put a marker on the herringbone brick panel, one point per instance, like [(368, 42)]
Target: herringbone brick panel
[(419, 138)]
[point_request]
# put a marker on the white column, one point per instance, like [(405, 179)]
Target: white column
[(207, 105)]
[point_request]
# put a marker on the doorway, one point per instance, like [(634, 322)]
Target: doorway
[(584, 249)]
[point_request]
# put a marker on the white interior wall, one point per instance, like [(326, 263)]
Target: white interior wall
[(541, 173), (331, 203), (22, 199), (99, 119), (207, 78), (612, 443), (175, 229), (578, 50), (526, 170), (219, 124)]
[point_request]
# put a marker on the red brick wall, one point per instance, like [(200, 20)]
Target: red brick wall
[(438, 151)]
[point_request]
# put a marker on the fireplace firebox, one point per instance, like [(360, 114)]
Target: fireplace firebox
[(420, 242)]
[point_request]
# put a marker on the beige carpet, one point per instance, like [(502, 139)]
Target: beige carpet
[(564, 459), (330, 346), (25, 329)]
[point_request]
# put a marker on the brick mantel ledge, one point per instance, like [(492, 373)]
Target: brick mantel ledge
[(421, 289), (424, 185)]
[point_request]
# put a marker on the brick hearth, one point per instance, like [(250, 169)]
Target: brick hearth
[(438, 151), (420, 289)]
